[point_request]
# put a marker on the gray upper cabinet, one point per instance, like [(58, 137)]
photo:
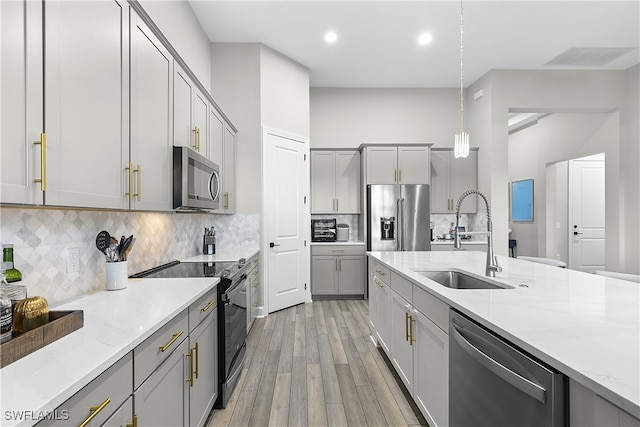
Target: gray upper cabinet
[(229, 171), (86, 65), (450, 177), (150, 169), (397, 164), (190, 110), (91, 107), (335, 181), (222, 151), (71, 89), (22, 101)]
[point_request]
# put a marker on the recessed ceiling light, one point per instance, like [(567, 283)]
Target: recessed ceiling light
[(425, 38), (330, 37)]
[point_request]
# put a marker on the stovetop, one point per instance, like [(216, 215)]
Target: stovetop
[(177, 269)]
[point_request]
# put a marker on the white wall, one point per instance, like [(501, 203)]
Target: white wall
[(235, 85), (557, 206), (284, 93), (347, 117), (179, 24), (552, 91), (561, 136), (256, 86)]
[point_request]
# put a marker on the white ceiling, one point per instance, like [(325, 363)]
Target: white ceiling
[(377, 40)]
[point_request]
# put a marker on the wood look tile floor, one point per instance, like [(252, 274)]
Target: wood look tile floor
[(315, 365)]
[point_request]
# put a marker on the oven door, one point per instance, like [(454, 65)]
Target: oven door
[(235, 323), (232, 336)]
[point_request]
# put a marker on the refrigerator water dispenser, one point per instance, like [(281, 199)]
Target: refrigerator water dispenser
[(387, 228)]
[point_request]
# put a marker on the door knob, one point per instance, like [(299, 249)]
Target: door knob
[(575, 233), (271, 244)]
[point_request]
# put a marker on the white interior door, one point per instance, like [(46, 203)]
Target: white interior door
[(587, 214), (286, 219)]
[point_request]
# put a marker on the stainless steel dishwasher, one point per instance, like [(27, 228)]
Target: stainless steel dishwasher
[(493, 383)]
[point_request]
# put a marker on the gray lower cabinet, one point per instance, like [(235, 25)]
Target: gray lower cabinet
[(253, 289), (411, 326), (170, 379), (99, 399), (182, 360), (203, 363), (163, 399), (337, 270), (122, 417)]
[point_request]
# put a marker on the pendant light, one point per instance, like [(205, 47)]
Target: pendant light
[(461, 146)]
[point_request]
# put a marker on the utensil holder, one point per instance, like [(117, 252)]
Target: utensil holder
[(116, 275)]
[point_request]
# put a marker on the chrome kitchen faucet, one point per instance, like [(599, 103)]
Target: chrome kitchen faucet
[(492, 262)]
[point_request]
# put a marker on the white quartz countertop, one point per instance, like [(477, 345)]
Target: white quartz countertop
[(336, 243), (583, 325), (115, 322), (224, 255)]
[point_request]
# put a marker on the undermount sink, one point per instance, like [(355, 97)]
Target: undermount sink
[(458, 280)]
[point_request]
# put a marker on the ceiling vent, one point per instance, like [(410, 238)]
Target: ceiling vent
[(589, 56)]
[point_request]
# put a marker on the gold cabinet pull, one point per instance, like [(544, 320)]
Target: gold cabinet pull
[(411, 322), (95, 410), (196, 138), (380, 272), (130, 169), (164, 348), (339, 264), (399, 175), (208, 306), (406, 326), (196, 349), (138, 194), (190, 356), (395, 175), (133, 423), (43, 161), (379, 283), (226, 200)]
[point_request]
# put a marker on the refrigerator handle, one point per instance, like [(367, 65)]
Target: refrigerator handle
[(400, 221)]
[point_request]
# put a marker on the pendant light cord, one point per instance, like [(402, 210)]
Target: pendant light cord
[(461, 67)]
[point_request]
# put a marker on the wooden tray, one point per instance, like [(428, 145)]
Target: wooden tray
[(61, 323)]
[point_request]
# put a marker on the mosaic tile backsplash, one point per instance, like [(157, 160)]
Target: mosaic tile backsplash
[(41, 237)]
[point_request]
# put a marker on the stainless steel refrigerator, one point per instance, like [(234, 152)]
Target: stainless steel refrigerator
[(398, 218)]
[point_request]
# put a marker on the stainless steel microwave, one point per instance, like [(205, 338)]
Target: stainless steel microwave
[(196, 181)]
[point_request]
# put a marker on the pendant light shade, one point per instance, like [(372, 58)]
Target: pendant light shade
[(461, 146)]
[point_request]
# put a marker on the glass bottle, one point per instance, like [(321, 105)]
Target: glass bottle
[(11, 273)]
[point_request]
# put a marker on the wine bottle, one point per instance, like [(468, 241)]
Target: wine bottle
[(11, 273)]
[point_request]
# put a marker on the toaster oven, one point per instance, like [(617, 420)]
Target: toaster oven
[(323, 230)]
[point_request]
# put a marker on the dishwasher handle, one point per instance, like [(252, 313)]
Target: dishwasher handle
[(513, 378)]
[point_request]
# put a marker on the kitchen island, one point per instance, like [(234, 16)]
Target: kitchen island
[(115, 322), (583, 325)]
